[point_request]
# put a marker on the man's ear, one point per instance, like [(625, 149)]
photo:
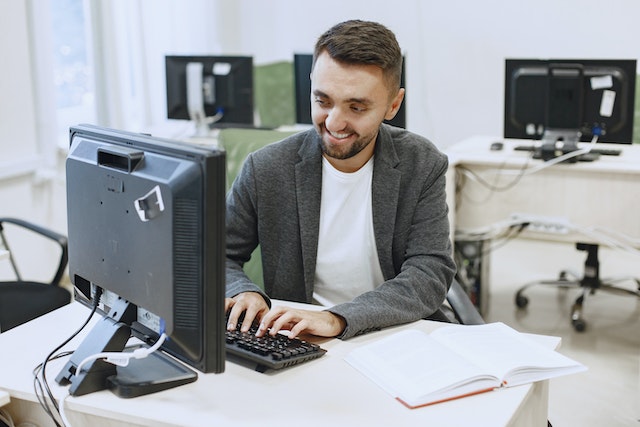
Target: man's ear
[(395, 105)]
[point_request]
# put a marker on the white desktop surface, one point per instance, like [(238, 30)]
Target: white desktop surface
[(323, 392), (601, 194)]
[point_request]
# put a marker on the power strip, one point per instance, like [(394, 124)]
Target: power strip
[(543, 223)]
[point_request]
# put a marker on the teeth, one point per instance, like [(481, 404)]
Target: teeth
[(340, 135)]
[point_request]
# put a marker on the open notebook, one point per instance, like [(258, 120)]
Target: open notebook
[(455, 361)]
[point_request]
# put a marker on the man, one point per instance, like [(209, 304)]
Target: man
[(351, 214)]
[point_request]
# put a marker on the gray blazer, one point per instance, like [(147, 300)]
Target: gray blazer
[(275, 201)]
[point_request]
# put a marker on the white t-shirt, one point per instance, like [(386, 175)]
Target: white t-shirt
[(347, 263)]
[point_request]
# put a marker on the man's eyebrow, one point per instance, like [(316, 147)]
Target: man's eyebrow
[(363, 101)]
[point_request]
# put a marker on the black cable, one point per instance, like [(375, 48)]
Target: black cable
[(41, 368), (507, 238), (37, 385), (494, 187)]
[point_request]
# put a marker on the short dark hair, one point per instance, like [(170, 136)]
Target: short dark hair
[(363, 43)]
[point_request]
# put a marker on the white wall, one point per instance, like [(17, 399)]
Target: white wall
[(455, 49)]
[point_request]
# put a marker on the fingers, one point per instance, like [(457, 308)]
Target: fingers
[(320, 323), (246, 308), (278, 319)]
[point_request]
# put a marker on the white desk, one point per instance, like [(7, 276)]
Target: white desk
[(323, 392), (603, 193)]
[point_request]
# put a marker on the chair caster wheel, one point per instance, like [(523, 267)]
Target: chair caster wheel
[(521, 301), (579, 325)]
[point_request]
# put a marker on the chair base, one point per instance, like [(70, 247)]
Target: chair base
[(577, 320), (589, 283)]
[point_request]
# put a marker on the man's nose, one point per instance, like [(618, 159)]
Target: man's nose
[(335, 120)]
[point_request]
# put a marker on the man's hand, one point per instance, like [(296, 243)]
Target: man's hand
[(297, 321), (252, 304)]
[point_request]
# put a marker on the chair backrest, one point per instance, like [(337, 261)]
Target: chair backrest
[(23, 300), (34, 230)]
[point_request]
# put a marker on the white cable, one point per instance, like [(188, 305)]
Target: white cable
[(5, 417), (63, 416), (632, 242), (115, 357), (599, 235), (122, 358), (584, 150)]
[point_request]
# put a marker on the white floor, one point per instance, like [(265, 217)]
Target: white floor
[(608, 394)]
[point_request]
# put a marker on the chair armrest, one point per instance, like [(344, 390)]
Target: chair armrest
[(60, 239), (462, 306)]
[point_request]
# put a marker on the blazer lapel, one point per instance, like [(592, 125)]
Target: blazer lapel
[(385, 190), (308, 174)]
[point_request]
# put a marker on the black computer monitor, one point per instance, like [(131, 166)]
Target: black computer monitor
[(146, 224), (594, 97), (302, 64), (210, 90)]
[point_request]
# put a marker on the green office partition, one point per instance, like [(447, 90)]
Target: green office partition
[(274, 94)]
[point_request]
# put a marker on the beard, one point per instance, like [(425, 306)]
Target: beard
[(343, 152)]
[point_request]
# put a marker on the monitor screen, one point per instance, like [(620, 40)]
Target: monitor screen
[(595, 97), (146, 224), (302, 64), (210, 89)]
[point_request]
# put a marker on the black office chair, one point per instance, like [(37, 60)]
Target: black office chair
[(23, 300), (590, 282)]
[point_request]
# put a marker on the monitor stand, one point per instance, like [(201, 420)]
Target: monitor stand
[(156, 372), (142, 376), (557, 142)]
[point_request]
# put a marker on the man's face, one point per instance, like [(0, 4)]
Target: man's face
[(348, 103)]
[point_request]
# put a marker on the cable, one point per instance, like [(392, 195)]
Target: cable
[(501, 170), (122, 358), (116, 358), (575, 153), (40, 370), (5, 418), (599, 235)]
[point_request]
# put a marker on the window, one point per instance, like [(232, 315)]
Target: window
[(72, 65)]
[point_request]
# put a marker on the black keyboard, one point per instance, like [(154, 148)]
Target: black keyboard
[(594, 150), (270, 352)]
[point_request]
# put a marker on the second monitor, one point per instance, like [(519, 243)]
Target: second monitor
[(302, 64), (594, 97), (210, 90)]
